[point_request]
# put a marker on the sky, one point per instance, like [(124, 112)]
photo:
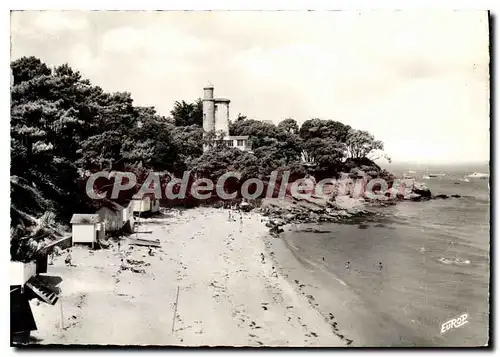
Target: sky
[(418, 80)]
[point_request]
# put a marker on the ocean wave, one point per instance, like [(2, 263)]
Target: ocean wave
[(453, 261)]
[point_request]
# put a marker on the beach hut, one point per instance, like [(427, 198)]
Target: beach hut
[(85, 228), (142, 203), (21, 272), (111, 215), (128, 215), (155, 205)]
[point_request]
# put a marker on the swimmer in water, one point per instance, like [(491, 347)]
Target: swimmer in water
[(347, 265), (323, 258)]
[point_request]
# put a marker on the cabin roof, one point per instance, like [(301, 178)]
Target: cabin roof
[(237, 137), (79, 218), (112, 205), (141, 196)]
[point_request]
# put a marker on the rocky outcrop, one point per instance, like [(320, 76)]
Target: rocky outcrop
[(308, 210), (345, 198), (442, 196), (421, 189)]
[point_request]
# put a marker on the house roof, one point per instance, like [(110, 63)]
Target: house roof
[(142, 196), (237, 137), (79, 218), (105, 202)]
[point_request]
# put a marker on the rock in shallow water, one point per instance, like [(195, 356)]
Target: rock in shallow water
[(441, 196)]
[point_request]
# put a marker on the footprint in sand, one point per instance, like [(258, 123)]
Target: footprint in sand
[(311, 334)]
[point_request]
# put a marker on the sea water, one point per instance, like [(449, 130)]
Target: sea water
[(411, 269)]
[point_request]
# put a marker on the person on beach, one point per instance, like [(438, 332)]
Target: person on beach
[(123, 266), (67, 261), (380, 265), (323, 258), (348, 265), (119, 245), (274, 273), (262, 258)]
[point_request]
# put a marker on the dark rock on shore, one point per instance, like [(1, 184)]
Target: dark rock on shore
[(313, 210), (312, 230), (422, 190), (442, 196)]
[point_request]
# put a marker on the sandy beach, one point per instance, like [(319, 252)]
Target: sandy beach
[(230, 292)]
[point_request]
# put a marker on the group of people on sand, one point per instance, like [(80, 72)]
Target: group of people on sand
[(68, 260), (274, 273), (232, 216), (348, 265)]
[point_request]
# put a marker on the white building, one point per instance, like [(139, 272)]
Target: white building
[(141, 204), (85, 228), (128, 214), (216, 118), (145, 203), (155, 205)]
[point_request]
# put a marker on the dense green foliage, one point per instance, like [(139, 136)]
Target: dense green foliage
[(63, 128)]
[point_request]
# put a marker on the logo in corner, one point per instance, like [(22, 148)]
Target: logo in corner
[(454, 323)]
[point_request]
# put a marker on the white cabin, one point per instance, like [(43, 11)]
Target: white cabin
[(141, 204), (128, 213), (85, 228), (155, 205), (21, 272)]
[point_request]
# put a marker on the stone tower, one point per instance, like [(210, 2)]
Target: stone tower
[(208, 108), (216, 118), (215, 111), (222, 115)]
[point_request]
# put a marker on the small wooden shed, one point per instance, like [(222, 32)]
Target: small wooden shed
[(111, 215), (128, 215), (155, 205), (85, 228), (142, 203)]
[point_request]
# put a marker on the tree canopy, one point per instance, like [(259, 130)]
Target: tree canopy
[(63, 127)]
